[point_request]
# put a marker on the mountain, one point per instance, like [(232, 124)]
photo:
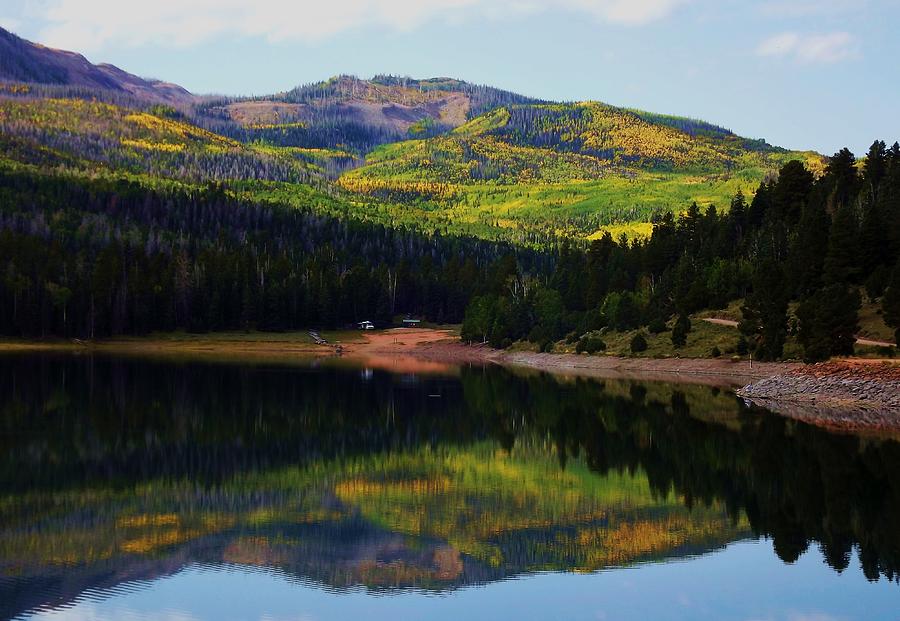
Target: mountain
[(24, 61), (161, 142), (354, 115), (438, 153), (575, 167)]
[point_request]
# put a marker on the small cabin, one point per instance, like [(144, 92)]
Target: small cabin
[(412, 323), (366, 325)]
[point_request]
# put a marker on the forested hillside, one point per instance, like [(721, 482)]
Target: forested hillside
[(801, 255), (345, 117), (98, 257), (90, 134), (122, 214), (574, 169)]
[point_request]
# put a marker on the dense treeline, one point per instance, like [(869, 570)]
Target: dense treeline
[(91, 258), (817, 243)]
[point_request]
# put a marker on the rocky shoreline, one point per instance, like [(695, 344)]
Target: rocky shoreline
[(842, 395)]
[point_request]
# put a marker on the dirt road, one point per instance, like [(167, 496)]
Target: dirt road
[(859, 340)]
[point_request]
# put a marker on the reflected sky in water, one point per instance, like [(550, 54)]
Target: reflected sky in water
[(185, 490), (741, 583)]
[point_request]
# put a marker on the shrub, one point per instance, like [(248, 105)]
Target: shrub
[(742, 347), (590, 345), (657, 326), (716, 352), (886, 352), (638, 343)]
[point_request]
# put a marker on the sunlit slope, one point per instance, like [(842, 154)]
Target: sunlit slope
[(569, 167), (158, 141)]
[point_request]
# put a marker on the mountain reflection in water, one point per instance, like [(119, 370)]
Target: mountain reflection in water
[(120, 470)]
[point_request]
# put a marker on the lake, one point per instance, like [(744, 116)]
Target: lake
[(181, 490)]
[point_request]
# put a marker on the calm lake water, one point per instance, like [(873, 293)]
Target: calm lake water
[(176, 491)]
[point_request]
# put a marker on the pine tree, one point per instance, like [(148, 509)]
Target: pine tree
[(680, 331), (791, 191), (890, 303), (842, 178), (808, 252), (841, 264), (765, 311), (829, 321), (874, 169), (737, 215)]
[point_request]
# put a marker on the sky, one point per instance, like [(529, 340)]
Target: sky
[(803, 74)]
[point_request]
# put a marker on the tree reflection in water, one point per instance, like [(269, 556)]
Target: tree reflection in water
[(115, 470)]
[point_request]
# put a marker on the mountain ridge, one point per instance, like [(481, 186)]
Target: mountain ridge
[(24, 61), (343, 112), (440, 152)]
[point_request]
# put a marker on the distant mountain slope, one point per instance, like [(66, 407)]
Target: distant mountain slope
[(575, 167), (357, 115), (568, 142), (438, 153), (24, 61), (91, 135)]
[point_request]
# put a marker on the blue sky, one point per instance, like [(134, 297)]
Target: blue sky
[(818, 74)]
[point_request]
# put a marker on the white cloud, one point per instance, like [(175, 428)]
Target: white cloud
[(93, 24), (810, 48), (811, 8)]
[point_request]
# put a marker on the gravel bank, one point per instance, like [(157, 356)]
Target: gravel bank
[(844, 395)]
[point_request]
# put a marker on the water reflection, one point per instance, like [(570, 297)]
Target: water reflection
[(120, 471)]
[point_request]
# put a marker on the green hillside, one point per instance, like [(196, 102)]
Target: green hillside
[(92, 135), (574, 169), (522, 173), (440, 154)]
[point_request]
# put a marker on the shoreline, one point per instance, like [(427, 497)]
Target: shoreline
[(411, 350), (842, 395)]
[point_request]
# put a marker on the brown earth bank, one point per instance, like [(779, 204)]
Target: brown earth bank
[(846, 394), (444, 347)]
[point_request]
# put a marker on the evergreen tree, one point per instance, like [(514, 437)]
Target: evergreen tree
[(737, 216), (874, 169), (680, 331), (791, 191), (841, 260), (890, 303), (765, 311), (829, 321), (808, 250), (842, 179)]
